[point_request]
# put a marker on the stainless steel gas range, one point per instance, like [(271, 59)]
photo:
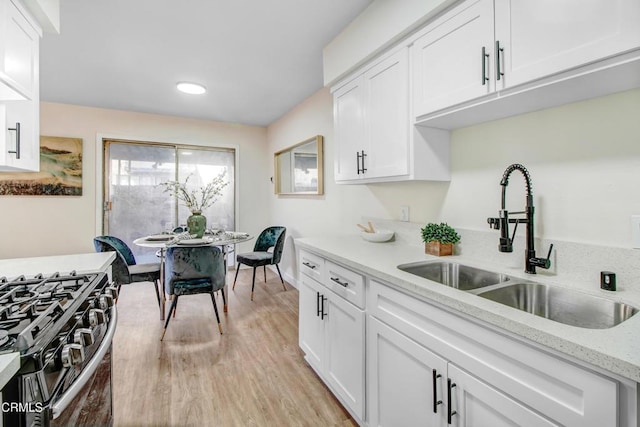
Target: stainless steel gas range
[(62, 326)]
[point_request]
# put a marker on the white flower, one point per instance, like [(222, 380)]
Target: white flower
[(201, 198)]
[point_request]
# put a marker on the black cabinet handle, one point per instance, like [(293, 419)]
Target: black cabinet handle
[(322, 313), (485, 56), (436, 402), (450, 413), (360, 156), (311, 266), (337, 280), (17, 130), (318, 304), (499, 50)]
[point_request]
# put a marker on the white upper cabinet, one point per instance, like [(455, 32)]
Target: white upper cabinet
[(19, 52), (543, 37), (373, 132), (371, 121), (348, 128), (468, 64), (19, 89), (387, 116), (452, 60)]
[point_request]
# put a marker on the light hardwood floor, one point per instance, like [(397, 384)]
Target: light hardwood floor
[(252, 375)]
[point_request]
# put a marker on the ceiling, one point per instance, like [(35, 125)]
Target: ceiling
[(258, 59)]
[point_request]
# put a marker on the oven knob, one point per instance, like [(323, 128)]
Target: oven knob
[(72, 354), (96, 317), (83, 336), (106, 302)]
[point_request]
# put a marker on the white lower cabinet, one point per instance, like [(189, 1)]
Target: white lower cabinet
[(331, 333), (493, 379), (402, 387), (424, 365), (475, 403), (410, 386)]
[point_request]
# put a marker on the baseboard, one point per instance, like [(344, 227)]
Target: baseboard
[(286, 276)]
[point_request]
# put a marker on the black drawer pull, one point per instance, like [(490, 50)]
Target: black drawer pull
[(337, 280), (485, 56), (322, 313), (436, 402), (450, 413), (311, 266), (499, 51)]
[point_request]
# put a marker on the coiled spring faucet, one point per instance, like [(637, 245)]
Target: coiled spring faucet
[(502, 223)]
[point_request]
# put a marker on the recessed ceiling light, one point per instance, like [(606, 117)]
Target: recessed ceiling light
[(191, 88)]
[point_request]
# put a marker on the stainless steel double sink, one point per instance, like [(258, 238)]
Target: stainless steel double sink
[(561, 305)]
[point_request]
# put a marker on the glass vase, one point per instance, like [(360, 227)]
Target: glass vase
[(197, 224)]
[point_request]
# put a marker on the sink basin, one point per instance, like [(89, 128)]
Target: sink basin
[(562, 305), (454, 275)]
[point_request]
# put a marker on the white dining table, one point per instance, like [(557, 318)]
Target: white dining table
[(159, 241)]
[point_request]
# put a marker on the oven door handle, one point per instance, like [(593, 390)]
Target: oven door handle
[(61, 404)]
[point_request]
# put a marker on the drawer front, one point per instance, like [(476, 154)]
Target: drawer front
[(311, 265), (563, 391), (346, 283)]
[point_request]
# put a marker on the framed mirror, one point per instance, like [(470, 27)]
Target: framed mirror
[(299, 168)]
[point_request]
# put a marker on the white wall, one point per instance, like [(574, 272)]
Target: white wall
[(48, 225), (380, 25), (584, 159), (341, 207)]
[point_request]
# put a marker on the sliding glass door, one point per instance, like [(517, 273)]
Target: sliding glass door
[(136, 205)]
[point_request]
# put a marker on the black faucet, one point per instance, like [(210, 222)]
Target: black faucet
[(502, 223)]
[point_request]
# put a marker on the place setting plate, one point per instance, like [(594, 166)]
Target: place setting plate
[(159, 238), (193, 242)]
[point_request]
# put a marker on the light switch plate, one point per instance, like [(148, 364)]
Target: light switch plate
[(635, 231)]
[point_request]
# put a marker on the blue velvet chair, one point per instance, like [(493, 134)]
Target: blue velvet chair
[(194, 270), (125, 269), (271, 237)]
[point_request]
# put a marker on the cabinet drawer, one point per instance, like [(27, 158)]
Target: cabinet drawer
[(346, 283), (311, 265), (561, 390)]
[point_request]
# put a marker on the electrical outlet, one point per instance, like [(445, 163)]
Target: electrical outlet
[(635, 231), (404, 213)]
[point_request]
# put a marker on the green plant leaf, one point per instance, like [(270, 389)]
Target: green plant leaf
[(442, 233)]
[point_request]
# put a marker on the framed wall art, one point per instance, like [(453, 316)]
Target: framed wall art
[(60, 171)]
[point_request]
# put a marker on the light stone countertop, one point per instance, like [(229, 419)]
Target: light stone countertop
[(616, 349), (48, 265)]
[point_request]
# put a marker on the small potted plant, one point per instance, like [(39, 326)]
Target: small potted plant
[(439, 239)]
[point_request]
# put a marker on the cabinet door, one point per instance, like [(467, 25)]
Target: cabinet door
[(448, 65), (348, 127), (344, 364), (476, 404), (310, 323), (19, 91), (19, 51), (401, 380), (21, 129), (543, 37), (387, 116)]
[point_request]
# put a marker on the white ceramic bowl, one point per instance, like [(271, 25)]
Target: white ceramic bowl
[(378, 236)]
